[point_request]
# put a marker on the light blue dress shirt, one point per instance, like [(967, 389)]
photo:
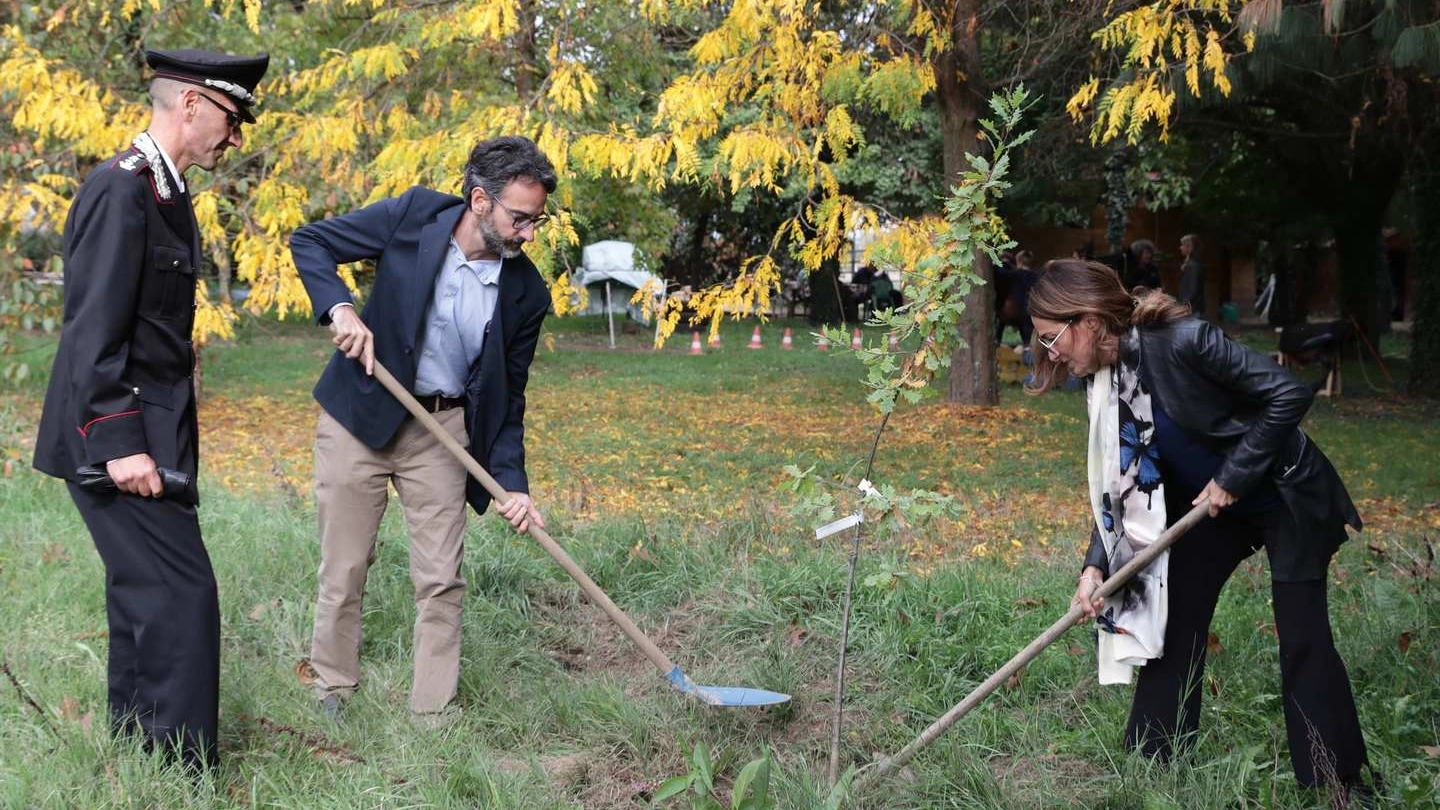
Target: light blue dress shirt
[(456, 323)]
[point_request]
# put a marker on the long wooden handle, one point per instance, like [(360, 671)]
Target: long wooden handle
[(1147, 555), (654, 653)]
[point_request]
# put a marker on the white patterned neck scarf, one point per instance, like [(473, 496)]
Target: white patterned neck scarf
[(1128, 499)]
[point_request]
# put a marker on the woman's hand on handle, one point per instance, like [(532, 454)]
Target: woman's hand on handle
[(1085, 599), (1219, 498)]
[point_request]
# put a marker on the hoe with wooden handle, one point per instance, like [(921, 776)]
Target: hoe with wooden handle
[(712, 695), (884, 766)]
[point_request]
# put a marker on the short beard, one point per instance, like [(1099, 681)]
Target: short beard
[(504, 248)]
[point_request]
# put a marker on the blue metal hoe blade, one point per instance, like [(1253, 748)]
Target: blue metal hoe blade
[(724, 695)]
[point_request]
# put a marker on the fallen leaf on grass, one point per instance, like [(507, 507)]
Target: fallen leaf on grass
[(305, 672), (54, 553), (1402, 642), (1213, 644), (1028, 602), (1013, 682), (1432, 751), (797, 636), (70, 708), (1075, 649)]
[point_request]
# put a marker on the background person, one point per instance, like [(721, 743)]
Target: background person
[(1014, 282), (1189, 413), (454, 314), (1141, 266), (121, 397), (1192, 275)]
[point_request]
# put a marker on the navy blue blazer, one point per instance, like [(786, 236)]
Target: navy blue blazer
[(407, 237)]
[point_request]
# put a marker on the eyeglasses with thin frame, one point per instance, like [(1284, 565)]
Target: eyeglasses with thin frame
[(231, 117), (1049, 345), (519, 220)]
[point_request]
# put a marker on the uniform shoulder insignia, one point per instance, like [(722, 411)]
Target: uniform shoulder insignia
[(158, 177), (132, 161)]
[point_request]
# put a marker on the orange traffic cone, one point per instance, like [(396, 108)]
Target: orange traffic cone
[(695, 343), (715, 340), (855, 341), (823, 344), (755, 339), (786, 342)]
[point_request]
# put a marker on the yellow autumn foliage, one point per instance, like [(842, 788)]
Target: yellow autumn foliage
[(764, 101), (1153, 40)]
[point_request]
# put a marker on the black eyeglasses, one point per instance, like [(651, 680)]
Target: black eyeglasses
[(519, 220), (232, 117)]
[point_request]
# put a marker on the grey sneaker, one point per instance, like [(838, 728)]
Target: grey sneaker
[(332, 707)]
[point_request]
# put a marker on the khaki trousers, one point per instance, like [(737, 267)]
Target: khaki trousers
[(351, 492)]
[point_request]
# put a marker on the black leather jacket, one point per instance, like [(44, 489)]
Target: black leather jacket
[(1248, 411)]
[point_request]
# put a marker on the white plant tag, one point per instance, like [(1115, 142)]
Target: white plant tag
[(839, 525)]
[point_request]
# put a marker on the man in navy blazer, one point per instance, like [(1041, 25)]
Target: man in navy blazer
[(454, 314)]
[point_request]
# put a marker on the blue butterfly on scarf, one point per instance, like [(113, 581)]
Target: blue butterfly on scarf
[(1133, 450)]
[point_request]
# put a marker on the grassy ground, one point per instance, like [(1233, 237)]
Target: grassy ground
[(661, 472)]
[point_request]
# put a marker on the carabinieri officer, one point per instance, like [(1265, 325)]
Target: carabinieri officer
[(121, 399)]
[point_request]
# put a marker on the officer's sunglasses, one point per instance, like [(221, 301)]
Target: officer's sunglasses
[(231, 117)]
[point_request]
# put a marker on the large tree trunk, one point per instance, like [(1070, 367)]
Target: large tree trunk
[(1425, 334), (961, 97), (1360, 199), (1364, 278), (527, 65)]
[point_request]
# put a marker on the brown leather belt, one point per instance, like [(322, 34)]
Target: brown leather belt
[(434, 403)]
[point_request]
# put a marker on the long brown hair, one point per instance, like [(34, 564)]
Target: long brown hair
[(1071, 289)]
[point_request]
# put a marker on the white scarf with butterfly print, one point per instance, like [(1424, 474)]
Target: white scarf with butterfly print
[(1128, 499)]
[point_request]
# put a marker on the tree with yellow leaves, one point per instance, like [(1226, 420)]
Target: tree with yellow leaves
[(365, 99), (368, 98), (801, 71)]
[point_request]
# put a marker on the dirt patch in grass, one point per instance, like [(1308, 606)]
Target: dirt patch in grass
[(589, 643), (1040, 773), (616, 782)]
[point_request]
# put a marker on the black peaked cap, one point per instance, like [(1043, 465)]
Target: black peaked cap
[(235, 76)]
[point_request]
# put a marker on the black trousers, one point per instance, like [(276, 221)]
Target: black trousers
[(164, 617), (1320, 717)]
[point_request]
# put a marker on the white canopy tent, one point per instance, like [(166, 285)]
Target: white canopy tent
[(609, 277)]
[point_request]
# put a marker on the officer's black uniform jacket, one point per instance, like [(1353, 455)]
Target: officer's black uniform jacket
[(121, 382), (1248, 411)]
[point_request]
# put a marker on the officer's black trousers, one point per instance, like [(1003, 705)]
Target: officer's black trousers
[(164, 667), (1320, 718)]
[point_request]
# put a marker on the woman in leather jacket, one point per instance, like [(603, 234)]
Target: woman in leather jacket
[(1221, 422)]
